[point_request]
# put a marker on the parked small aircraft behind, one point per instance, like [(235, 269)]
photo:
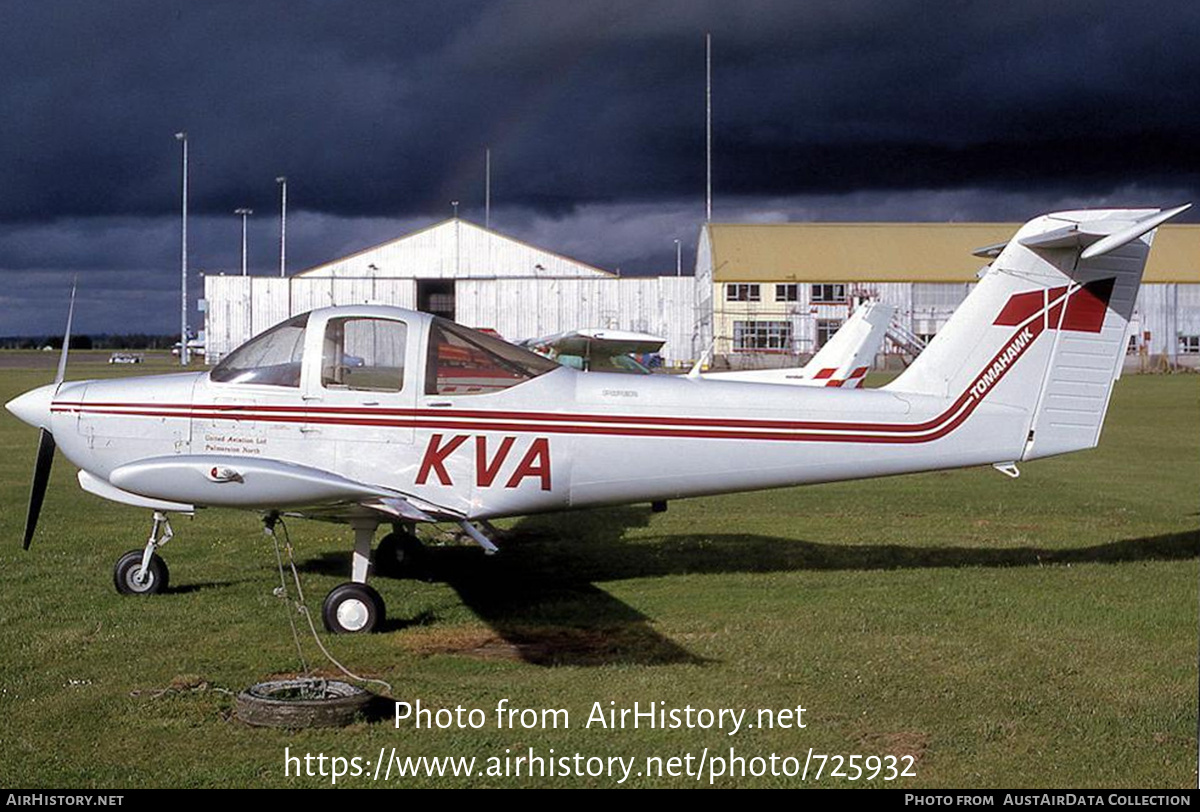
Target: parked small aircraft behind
[(374, 415)]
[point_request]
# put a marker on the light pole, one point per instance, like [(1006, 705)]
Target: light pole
[(282, 181), (454, 203), (183, 338), (245, 214), (678, 258)]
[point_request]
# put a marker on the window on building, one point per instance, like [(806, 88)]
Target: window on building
[(364, 354), (743, 292), (1189, 344), (825, 330), (762, 336), (829, 294), (787, 293)]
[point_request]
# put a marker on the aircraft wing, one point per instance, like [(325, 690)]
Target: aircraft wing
[(843, 361), (594, 348), (213, 480), (612, 342)]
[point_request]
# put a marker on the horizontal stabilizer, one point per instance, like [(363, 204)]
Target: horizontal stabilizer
[(1095, 238), (1128, 235)]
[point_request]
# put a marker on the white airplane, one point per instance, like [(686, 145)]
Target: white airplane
[(843, 361), (360, 414)]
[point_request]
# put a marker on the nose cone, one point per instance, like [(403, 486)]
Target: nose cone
[(33, 407)]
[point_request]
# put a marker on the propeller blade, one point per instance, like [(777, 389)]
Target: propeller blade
[(46, 445), (62, 359), (41, 475)]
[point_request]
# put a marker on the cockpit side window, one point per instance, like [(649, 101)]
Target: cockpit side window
[(364, 354), (271, 359), (466, 362)]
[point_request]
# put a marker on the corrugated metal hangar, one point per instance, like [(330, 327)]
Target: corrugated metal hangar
[(761, 294)]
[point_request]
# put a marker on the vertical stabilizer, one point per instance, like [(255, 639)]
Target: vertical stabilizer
[(1044, 330)]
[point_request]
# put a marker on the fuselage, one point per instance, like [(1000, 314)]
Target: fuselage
[(558, 440)]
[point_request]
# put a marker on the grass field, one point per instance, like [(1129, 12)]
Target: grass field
[(1039, 632)]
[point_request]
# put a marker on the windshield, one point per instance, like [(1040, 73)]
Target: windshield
[(462, 361), (271, 359)]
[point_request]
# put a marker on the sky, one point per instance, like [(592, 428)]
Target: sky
[(379, 114)]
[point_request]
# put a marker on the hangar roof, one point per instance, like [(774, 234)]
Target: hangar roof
[(899, 252), (455, 249)]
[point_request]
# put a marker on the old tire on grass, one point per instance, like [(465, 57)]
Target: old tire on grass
[(300, 703)]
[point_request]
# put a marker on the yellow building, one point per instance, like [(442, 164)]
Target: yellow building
[(778, 291)]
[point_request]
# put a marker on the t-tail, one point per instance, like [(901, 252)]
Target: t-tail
[(1045, 329)]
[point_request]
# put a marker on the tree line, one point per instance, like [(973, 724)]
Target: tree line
[(103, 341)]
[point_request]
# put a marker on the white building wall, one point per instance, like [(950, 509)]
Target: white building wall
[(269, 303), (1189, 310)]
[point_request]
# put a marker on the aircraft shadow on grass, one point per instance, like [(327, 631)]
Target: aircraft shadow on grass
[(185, 589), (540, 594)]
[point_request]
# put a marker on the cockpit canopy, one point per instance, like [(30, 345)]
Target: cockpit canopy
[(462, 361), (271, 359), (374, 349)]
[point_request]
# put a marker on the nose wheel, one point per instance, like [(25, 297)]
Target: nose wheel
[(130, 579), (143, 572)]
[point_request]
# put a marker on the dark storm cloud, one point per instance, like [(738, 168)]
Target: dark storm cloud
[(594, 112), (386, 107)]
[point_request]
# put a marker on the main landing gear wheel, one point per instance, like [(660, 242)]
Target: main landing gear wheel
[(352, 609), (400, 555), (127, 570)]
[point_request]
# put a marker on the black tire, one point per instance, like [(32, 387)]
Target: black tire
[(400, 555), (125, 571), (282, 703), (352, 609)]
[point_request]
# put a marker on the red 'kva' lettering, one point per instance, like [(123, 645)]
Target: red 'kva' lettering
[(485, 472), (435, 456), (535, 463)]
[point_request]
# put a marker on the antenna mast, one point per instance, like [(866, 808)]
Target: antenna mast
[(708, 126)]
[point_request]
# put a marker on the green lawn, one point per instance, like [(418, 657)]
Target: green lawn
[(1038, 632)]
